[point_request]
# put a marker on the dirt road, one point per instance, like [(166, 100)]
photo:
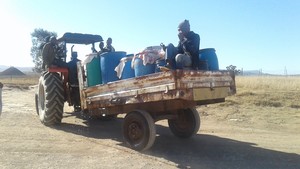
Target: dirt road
[(78, 143)]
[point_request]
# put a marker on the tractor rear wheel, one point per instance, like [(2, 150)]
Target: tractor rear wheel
[(50, 100)]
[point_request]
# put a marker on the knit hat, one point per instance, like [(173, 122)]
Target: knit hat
[(184, 25)]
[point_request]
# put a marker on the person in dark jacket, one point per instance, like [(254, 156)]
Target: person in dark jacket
[(72, 65), (73, 81), (186, 54), (49, 52), (108, 47)]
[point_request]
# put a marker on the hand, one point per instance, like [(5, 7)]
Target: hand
[(101, 45), (180, 36), (163, 46)]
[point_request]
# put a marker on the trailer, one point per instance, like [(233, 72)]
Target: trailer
[(172, 95)]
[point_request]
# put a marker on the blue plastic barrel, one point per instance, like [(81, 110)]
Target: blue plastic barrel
[(109, 61), (208, 59), (93, 70), (140, 69), (128, 71)]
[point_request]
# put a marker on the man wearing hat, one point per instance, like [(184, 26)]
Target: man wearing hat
[(186, 54)]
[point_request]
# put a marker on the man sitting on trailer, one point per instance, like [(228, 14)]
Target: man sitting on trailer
[(186, 54), (108, 47)]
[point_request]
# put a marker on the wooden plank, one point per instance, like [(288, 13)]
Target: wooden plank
[(80, 74), (132, 93), (155, 79), (196, 79)]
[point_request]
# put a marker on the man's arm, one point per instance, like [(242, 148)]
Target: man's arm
[(192, 44)]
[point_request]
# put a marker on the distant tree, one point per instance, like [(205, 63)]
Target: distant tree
[(38, 38), (233, 68)]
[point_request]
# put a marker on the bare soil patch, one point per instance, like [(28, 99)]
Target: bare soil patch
[(234, 134)]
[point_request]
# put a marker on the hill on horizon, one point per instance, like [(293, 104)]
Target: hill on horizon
[(23, 69), (12, 71)]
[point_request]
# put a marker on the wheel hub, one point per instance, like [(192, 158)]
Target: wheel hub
[(134, 131)]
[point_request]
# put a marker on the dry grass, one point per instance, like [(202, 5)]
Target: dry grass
[(265, 102), (269, 91), (266, 83), (20, 81)]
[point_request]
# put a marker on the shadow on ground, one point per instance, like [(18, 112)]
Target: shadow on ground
[(200, 151)]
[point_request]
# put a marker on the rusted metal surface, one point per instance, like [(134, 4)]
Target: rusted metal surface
[(131, 84), (156, 109), (172, 87)]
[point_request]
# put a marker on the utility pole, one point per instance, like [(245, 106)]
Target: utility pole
[(260, 71), (285, 71)]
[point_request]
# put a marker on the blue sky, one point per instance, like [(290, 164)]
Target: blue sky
[(251, 34)]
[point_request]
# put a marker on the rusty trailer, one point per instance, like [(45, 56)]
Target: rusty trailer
[(171, 95)]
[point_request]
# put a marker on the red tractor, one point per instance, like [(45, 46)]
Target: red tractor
[(55, 88)]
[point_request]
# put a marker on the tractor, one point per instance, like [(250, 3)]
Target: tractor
[(54, 87)]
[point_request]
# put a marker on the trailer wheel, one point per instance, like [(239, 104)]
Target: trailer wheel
[(187, 124), (50, 99), (139, 130)]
